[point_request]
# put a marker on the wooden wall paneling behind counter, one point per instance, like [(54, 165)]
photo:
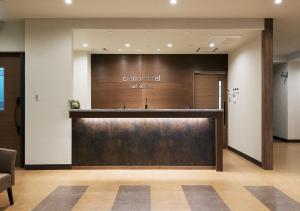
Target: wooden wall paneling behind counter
[(108, 89), (175, 90)]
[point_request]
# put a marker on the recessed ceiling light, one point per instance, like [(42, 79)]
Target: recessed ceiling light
[(278, 1), (127, 45), (68, 1), (85, 45), (170, 45), (173, 2), (212, 45)]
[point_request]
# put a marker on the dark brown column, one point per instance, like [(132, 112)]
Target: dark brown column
[(267, 95), (219, 144)]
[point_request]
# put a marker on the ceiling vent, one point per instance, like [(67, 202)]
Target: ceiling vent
[(224, 40)]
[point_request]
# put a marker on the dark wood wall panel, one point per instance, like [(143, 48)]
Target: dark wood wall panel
[(175, 90), (108, 89), (144, 142), (9, 137), (267, 95)]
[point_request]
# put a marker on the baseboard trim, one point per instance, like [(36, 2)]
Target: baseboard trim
[(247, 157), (144, 167), (287, 140), (48, 167)]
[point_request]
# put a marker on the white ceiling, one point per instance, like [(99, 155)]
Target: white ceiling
[(287, 15), (156, 41)]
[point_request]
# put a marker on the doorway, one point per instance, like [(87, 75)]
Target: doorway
[(210, 92), (12, 103)]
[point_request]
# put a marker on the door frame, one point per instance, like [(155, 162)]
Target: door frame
[(20, 55)]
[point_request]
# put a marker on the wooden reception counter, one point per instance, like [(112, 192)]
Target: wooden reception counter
[(159, 137)]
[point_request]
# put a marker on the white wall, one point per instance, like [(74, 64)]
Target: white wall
[(294, 100), (82, 78), (280, 101), (245, 117), (12, 36), (286, 102), (49, 72)]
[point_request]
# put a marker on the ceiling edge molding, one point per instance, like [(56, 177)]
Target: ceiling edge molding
[(161, 23)]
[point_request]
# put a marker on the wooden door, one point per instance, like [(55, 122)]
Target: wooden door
[(210, 92), (11, 118)]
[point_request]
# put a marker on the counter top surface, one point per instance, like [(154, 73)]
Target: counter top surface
[(145, 113), (146, 110)]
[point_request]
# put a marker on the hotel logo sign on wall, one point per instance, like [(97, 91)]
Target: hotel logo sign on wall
[(141, 82)]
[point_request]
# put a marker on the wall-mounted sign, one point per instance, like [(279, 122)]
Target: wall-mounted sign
[(141, 82), (233, 96)]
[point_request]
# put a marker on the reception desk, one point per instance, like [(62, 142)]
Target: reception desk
[(159, 138)]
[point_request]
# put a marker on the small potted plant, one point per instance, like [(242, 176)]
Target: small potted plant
[(74, 104)]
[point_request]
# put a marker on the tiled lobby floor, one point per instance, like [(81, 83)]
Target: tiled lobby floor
[(165, 186)]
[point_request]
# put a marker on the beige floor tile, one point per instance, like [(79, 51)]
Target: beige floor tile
[(166, 191)]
